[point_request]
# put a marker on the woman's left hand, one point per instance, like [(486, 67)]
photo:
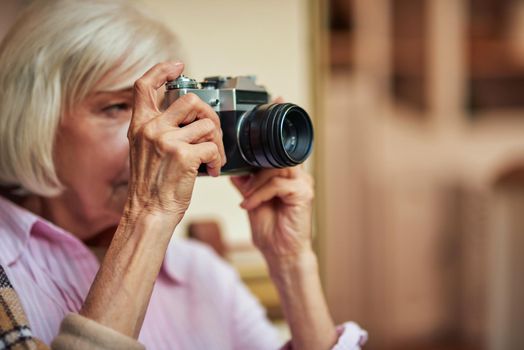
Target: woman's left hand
[(279, 204)]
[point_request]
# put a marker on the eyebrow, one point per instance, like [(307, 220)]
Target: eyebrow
[(121, 91)]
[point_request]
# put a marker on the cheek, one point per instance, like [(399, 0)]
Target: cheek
[(108, 155), (92, 159), (112, 144)]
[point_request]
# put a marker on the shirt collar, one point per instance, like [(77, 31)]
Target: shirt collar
[(18, 222), (21, 223)]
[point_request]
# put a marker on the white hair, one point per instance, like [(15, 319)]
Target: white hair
[(53, 56)]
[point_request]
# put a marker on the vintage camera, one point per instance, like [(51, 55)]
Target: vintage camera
[(256, 133)]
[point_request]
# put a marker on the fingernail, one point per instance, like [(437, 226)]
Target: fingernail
[(178, 63)]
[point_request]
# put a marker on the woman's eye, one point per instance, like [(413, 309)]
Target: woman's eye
[(117, 110)]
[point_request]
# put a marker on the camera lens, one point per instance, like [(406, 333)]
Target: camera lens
[(289, 136), (275, 135)]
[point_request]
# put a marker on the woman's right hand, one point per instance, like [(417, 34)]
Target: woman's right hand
[(167, 147)]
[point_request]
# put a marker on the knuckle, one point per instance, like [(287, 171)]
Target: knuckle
[(306, 187), (163, 66), (170, 146), (310, 193), (276, 181), (207, 125), (163, 143), (148, 132), (214, 117), (211, 153), (213, 149), (191, 99), (140, 85), (181, 154), (309, 180)]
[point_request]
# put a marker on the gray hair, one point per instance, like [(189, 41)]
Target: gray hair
[(53, 56)]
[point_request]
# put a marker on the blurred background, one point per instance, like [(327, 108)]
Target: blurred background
[(419, 156), (423, 171)]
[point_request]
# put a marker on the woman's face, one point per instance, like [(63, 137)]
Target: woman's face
[(91, 158)]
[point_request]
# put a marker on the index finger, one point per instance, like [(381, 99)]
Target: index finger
[(261, 177), (188, 108), (146, 89)]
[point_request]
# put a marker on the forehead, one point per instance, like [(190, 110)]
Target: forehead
[(115, 83), (119, 79)]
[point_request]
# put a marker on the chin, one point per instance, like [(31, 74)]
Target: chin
[(102, 238)]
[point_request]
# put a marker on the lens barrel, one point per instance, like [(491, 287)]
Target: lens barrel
[(276, 135)]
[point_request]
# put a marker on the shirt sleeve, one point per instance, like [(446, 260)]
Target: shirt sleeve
[(350, 337), (251, 328)]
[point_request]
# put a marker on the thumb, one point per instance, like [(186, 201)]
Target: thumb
[(146, 88)]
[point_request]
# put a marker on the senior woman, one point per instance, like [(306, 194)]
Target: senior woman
[(73, 87)]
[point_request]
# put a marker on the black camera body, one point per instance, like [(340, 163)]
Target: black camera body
[(256, 134)]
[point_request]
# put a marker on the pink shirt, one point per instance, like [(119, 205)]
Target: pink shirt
[(198, 301)]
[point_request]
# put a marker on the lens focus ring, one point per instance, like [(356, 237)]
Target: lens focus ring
[(276, 136)]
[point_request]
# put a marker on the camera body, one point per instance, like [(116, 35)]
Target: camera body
[(256, 134)]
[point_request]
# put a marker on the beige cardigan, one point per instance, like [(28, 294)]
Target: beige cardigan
[(76, 331)]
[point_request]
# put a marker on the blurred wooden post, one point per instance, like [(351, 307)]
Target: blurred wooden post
[(447, 48), (360, 237), (505, 276)]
